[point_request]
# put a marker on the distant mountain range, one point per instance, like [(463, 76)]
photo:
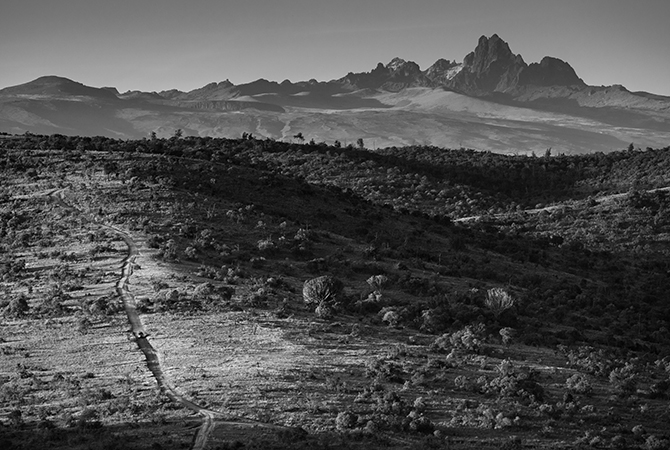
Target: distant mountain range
[(492, 100)]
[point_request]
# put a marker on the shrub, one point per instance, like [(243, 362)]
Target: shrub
[(638, 430), (15, 418), (169, 250), (324, 311), (377, 282), (17, 306), (322, 289), (467, 339), (266, 245), (498, 301), (624, 379), (105, 305), (203, 291), (392, 404), (154, 242), (212, 297), (507, 334), (346, 420), (52, 302), (579, 384), (513, 382), (190, 253), (659, 389), (462, 382), (589, 360), (422, 424), (11, 269), (384, 370), (654, 443), (303, 235), (390, 317)]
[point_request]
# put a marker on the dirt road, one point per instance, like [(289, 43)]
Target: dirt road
[(153, 358), (599, 200)]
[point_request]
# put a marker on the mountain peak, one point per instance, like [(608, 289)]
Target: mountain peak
[(55, 86), (491, 51), (395, 64), (491, 67), (442, 71), (550, 72)]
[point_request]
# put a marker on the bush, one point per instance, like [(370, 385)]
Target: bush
[(169, 250), (579, 384), (498, 301), (191, 253), (212, 297), (462, 382), (266, 245), (377, 282), (507, 334), (624, 379), (589, 360), (346, 420), (384, 370), (659, 389), (324, 311), (513, 382), (467, 339), (17, 306), (322, 289), (654, 443), (390, 317)]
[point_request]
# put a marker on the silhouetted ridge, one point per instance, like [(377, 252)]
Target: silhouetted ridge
[(550, 72), (56, 86), (492, 67)]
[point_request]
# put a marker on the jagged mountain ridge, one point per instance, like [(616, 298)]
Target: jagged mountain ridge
[(492, 100), (490, 68)]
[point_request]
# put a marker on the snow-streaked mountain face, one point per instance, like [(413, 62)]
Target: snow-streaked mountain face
[(492, 100)]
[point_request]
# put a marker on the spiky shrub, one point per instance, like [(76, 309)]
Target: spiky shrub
[(507, 335), (377, 282), (499, 300), (323, 289), (324, 311)]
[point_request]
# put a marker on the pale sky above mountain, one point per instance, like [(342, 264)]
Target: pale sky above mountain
[(152, 45)]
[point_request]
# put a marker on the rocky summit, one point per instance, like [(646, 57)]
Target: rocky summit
[(492, 67)]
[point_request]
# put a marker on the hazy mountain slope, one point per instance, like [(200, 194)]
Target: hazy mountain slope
[(420, 117), (492, 100)]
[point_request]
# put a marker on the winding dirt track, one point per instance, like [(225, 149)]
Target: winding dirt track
[(153, 358), (600, 200)]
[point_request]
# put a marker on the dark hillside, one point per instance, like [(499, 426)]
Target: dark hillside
[(523, 321)]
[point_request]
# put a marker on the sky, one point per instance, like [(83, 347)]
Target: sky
[(154, 45)]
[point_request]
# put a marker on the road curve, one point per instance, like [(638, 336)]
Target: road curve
[(599, 200)]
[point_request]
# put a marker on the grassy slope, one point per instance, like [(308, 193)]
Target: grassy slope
[(261, 353)]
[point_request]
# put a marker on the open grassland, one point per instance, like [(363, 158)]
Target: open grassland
[(477, 335)]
